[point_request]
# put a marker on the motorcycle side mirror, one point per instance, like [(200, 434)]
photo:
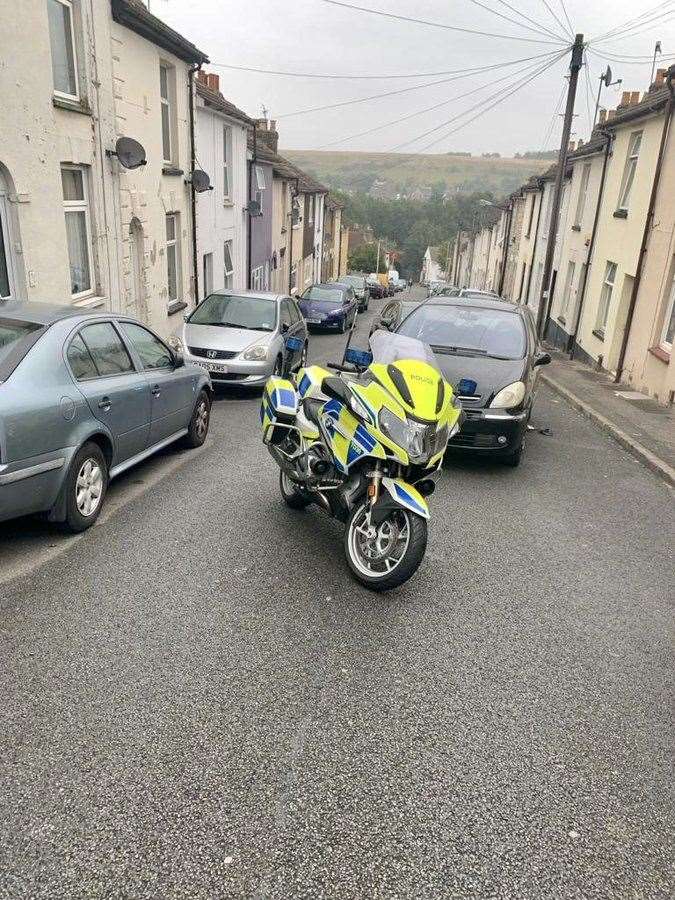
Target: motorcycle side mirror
[(294, 344), (359, 358), (542, 359)]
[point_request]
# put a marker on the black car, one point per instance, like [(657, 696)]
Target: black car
[(376, 289), (488, 350)]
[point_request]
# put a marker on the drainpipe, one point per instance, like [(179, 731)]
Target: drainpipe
[(193, 193), (591, 246), (534, 246), (290, 249), (339, 248), (249, 231), (507, 238), (648, 226)]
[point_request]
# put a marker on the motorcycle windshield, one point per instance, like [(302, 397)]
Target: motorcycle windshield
[(389, 348)]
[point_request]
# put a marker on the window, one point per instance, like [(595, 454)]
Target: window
[(308, 269), (227, 156), (605, 298), (62, 41), (5, 282), (208, 274), (80, 360), (166, 103), (153, 353), (78, 228), (286, 317), (529, 221), (567, 291), (284, 206), (522, 281), (296, 315), (294, 278), (105, 349), (296, 218), (310, 209), (260, 178), (173, 256), (229, 267), (581, 199), (629, 171), (257, 275), (668, 333)]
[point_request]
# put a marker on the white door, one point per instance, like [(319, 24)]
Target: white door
[(7, 282)]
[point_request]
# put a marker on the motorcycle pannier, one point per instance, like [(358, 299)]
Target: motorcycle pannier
[(279, 407)]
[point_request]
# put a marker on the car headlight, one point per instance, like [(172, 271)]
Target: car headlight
[(510, 396), (176, 344), (256, 353)]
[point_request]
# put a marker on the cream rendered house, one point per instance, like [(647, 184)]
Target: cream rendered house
[(531, 201), (635, 130)]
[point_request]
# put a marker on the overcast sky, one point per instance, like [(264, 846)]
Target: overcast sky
[(316, 37)]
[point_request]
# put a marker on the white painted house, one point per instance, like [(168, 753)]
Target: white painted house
[(221, 132)]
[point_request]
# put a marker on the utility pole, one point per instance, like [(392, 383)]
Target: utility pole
[(657, 50), (545, 298), (377, 267)]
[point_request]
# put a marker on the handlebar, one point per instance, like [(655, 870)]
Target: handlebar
[(340, 368)]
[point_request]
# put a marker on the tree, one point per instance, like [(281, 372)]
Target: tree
[(364, 259)]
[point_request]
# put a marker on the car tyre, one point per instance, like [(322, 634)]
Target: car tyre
[(200, 420), (86, 485)]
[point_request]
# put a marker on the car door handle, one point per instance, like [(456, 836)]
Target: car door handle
[(104, 403), (155, 390)]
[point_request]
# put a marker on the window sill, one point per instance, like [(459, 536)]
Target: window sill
[(620, 213), (76, 106), (660, 353), (172, 170), (89, 302), (576, 227), (175, 306), (562, 321), (600, 335), (228, 202)]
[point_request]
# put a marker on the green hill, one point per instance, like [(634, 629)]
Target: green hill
[(387, 175)]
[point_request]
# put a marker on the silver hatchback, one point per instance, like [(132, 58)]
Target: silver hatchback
[(243, 337)]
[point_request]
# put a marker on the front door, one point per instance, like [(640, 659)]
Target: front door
[(172, 389), (116, 393), (7, 282)]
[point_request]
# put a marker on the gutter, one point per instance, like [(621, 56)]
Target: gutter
[(591, 246), (647, 228), (193, 194)]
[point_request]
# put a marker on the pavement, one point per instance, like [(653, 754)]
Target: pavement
[(199, 702), (639, 423)]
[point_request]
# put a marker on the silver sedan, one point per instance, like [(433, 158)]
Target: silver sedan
[(243, 337)]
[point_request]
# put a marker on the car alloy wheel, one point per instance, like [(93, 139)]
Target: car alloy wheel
[(89, 487), (202, 418)]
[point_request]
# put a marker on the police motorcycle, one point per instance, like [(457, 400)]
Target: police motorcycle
[(364, 444)]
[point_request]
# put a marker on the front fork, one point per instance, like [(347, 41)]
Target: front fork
[(374, 486)]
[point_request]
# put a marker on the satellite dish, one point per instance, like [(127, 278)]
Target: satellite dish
[(253, 208), (608, 77), (129, 153), (200, 181)]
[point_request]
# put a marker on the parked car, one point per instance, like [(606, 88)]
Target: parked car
[(392, 314), (375, 287), (241, 337), (470, 293), (488, 349), (358, 282), (399, 284), (329, 306), (83, 397)]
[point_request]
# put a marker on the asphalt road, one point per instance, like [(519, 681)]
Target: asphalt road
[(196, 701)]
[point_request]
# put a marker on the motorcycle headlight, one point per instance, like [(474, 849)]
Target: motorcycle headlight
[(256, 353), (413, 437), (510, 396), (176, 344)]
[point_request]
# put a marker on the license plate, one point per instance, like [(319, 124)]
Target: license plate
[(314, 321), (213, 367)]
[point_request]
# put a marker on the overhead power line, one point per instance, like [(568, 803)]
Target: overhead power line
[(567, 18), (639, 29), (548, 7), (494, 12), (460, 73), (659, 8), (551, 123), (419, 112), (541, 27), (388, 15), (520, 82)]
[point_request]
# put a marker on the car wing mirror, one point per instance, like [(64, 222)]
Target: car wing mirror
[(542, 359), (284, 327), (178, 359)]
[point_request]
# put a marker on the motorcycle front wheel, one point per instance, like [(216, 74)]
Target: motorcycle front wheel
[(385, 556)]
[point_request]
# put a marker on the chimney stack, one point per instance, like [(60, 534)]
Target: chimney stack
[(268, 134), (570, 148), (659, 78), (603, 116), (625, 99), (610, 114), (634, 97), (213, 82)]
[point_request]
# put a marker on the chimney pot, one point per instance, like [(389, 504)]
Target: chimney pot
[(213, 82), (201, 76), (625, 98), (603, 116), (634, 98)]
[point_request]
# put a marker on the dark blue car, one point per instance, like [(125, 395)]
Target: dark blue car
[(329, 306)]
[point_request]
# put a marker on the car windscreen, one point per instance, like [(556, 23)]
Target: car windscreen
[(231, 311), (324, 296), (16, 339), (468, 329), (355, 280)]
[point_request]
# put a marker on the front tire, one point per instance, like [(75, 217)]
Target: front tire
[(390, 557), (200, 420), (293, 495), (86, 486)]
